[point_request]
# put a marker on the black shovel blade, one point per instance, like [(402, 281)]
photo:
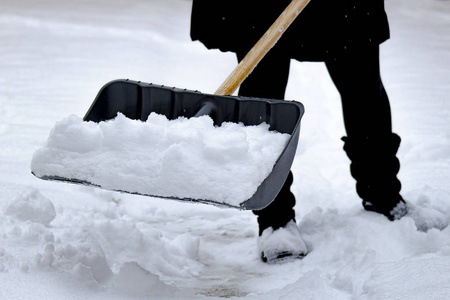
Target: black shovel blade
[(137, 100)]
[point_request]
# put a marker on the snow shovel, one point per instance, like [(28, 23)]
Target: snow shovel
[(137, 100)]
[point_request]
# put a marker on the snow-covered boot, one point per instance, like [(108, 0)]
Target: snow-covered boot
[(279, 238), (281, 245), (374, 165)]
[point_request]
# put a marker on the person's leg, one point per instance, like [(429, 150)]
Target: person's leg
[(370, 143), (365, 104), (279, 237), (269, 80)]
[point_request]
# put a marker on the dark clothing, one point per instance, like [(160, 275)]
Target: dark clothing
[(326, 29), (365, 104), (366, 112), (345, 34), (280, 211), (375, 167)]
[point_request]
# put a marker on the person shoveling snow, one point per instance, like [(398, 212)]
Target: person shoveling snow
[(346, 36)]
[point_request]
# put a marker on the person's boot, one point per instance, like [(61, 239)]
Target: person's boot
[(279, 237), (282, 244), (374, 165)]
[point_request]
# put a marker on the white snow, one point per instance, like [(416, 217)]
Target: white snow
[(181, 158), (62, 241)]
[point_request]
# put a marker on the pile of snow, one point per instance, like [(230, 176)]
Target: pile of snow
[(32, 206), (182, 158), (36, 242)]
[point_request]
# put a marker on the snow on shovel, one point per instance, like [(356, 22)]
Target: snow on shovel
[(171, 143)]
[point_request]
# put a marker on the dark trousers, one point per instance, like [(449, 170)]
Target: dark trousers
[(365, 107)]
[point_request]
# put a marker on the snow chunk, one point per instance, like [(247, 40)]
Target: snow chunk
[(182, 158), (134, 280), (71, 134), (31, 205)]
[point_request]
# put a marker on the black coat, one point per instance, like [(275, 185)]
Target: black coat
[(324, 30)]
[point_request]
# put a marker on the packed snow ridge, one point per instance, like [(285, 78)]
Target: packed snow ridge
[(182, 158)]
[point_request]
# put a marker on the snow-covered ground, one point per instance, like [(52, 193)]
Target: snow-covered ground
[(62, 241)]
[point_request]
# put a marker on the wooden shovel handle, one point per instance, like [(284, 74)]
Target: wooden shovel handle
[(265, 43)]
